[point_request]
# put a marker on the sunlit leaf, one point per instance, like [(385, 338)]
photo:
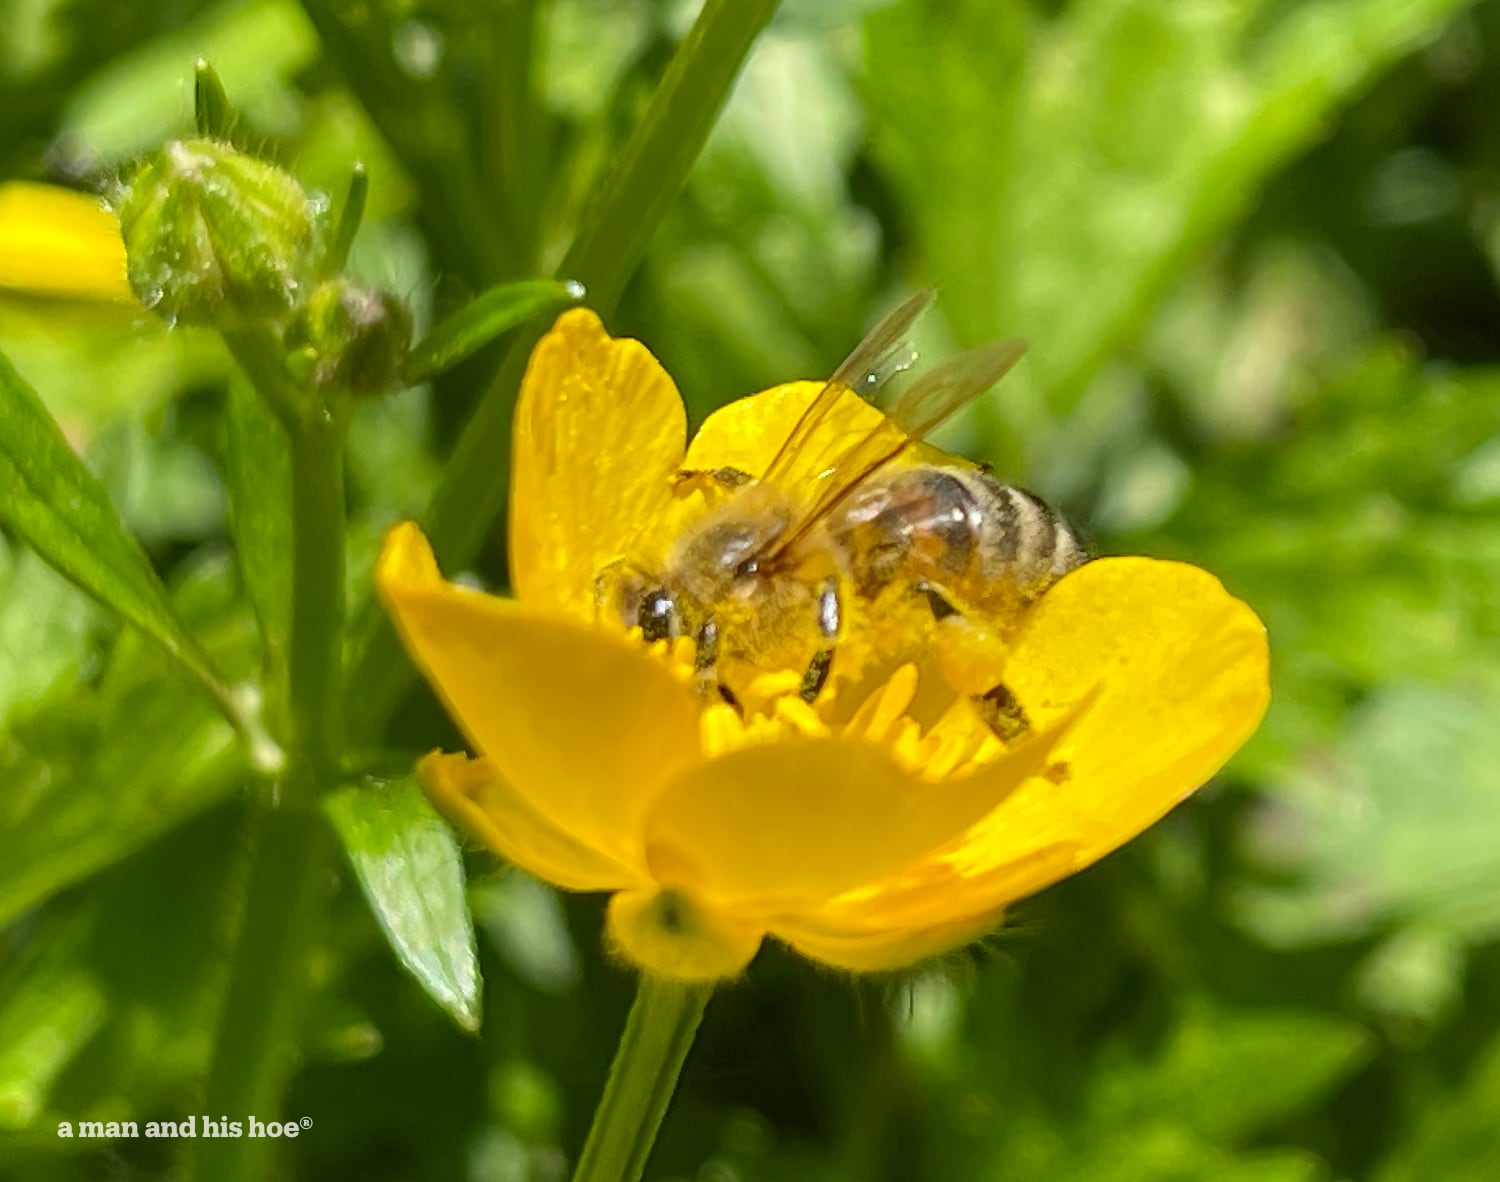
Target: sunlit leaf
[(1061, 172), (408, 864)]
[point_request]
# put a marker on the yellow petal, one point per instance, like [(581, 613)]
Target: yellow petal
[(1181, 671), (585, 726), (671, 934), (599, 435), (748, 432), (60, 243), (879, 951), (773, 828), (937, 894), (469, 793)]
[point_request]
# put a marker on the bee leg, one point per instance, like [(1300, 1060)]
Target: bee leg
[(829, 613), (1000, 709), (706, 666), (942, 607)]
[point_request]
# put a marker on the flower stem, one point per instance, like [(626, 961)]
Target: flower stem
[(289, 848), (614, 232), (658, 1035), (255, 1044), (315, 656)]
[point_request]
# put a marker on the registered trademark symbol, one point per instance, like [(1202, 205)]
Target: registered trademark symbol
[(306, 1122)]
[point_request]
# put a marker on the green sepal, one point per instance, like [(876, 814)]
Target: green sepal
[(352, 338)]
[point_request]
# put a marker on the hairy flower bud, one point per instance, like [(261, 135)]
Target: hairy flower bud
[(214, 236), (356, 336)]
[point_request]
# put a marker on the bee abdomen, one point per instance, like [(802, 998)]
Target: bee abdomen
[(1026, 541)]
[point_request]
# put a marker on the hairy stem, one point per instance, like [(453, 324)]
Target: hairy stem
[(658, 1035), (289, 849)]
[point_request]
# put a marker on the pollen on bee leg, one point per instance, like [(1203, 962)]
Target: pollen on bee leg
[(1001, 709)]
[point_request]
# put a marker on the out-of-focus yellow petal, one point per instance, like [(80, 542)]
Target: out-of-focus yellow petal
[(470, 793), (773, 828), (599, 435), (1181, 671), (60, 243), (879, 951), (671, 934), (585, 726)]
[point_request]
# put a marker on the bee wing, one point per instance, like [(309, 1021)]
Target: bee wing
[(951, 385), (930, 400), (884, 352)]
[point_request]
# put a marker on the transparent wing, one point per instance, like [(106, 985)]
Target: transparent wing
[(931, 399), (810, 449)]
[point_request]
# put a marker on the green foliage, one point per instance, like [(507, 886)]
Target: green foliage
[(1111, 142), (94, 772), (407, 862), (1253, 245), (56, 505), (488, 315)]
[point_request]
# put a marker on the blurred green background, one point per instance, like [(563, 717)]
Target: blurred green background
[(1254, 245)]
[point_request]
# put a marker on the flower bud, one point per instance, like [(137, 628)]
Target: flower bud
[(355, 336), (214, 236)]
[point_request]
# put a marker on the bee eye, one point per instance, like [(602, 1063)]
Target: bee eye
[(658, 615)]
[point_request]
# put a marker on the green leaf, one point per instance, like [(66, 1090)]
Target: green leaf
[(1229, 1075), (259, 478), (484, 318), (1455, 1132), (95, 772), (63, 513), (45, 626), (1395, 824), (410, 869), (1063, 172), (52, 1008)]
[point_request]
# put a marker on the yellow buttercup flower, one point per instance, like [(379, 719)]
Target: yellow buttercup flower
[(59, 243), (880, 824)]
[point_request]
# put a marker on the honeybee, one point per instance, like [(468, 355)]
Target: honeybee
[(767, 574)]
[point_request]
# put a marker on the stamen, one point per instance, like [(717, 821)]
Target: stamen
[(881, 709), (720, 729), (765, 688), (800, 716)]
